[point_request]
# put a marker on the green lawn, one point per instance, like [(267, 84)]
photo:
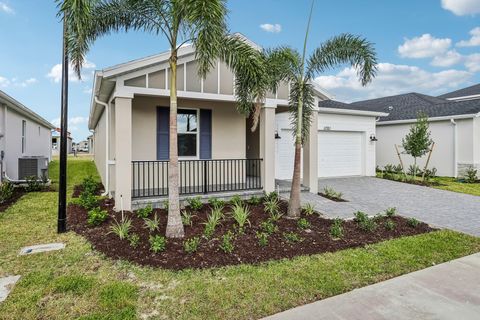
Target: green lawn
[(80, 283)]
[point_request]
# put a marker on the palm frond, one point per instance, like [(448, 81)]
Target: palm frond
[(345, 48)]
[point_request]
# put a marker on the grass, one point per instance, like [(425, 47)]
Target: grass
[(79, 283)]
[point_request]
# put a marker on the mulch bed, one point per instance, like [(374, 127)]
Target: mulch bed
[(332, 198), (247, 249), (17, 194)]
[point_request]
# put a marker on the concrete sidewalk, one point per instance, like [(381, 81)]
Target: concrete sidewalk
[(447, 291)]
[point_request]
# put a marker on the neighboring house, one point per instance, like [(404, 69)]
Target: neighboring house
[(83, 146), (345, 139), (218, 152), (56, 142), (454, 120), (25, 140), (90, 143)]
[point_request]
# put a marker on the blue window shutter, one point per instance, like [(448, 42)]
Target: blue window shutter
[(163, 133), (205, 134)]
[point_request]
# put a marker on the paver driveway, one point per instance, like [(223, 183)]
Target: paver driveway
[(439, 208)]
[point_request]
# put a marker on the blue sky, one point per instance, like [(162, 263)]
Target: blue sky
[(428, 46)]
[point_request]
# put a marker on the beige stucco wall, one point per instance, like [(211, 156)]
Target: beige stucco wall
[(444, 151), (228, 127), (38, 140)]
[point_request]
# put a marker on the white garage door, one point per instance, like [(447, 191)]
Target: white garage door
[(339, 153), (284, 155)]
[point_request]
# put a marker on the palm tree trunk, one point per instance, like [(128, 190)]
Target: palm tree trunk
[(294, 205), (174, 223)]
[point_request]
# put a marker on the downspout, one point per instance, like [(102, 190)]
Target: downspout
[(455, 147), (107, 151), (4, 137)]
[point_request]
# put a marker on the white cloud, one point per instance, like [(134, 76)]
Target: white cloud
[(274, 28), (447, 59), (473, 41), (55, 72), (73, 122), (6, 8), (5, 82), (392, 79), (473, 62), (424, 46), (462, 7), (87, 90)]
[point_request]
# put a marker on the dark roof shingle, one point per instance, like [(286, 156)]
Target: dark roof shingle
[(465, 92)]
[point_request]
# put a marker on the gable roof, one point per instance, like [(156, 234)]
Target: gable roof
[(407, 106), (465, 92), (23, 110)]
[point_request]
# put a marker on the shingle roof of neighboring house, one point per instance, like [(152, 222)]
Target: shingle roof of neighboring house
[(465, 92), (407, 106)]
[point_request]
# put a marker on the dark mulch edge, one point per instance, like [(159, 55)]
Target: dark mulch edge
[(78, 189), (415, 182), (17, 194), (332, 198), (247, 250)]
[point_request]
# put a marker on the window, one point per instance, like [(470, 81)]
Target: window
[(187, 129), (24, 133)]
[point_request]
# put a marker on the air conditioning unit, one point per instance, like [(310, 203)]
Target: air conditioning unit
[(33, 166)]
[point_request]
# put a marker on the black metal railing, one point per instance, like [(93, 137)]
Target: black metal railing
[(150, 178)]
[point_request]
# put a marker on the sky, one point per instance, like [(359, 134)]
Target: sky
[(428, 46)]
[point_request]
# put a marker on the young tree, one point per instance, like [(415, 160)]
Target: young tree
[(417, 142), (201, 22), (346, 48)]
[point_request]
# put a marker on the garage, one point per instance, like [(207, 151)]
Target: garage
[(345, 143)]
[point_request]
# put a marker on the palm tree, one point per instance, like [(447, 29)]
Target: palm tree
[(201, 22), (345, 48)]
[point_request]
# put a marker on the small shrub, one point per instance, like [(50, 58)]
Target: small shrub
[(292, 237), (6, 191), (240, 214), (216, 203), (470, 175), (430, 174), (166, 205), (331, 193), (157, 243), (152, 224), (195, 203), (412, 222), (364, 222), (389, 168), (191, 245), (227, 242), (397, 169), (145, 212), (254, 201), (389, 224), (213, 220), (272, 207), (187, 218), (390, 212), (96, 216), (122, 228), (336, 230), (308, 209), (88, 201), (134, 240), (89, 185), (33, 184), (262, 238), (414, 170), (236, 200), (303, 223), (271, 196), (268, 227)]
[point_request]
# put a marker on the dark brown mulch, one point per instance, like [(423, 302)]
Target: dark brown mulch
[(17, 194), (332, 198), (247, 249), (78, 189)]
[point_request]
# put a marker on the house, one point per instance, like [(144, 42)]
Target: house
[(83, 145), (454, 121), (346, 141), (90, 143), (25, 141), (56, 142)]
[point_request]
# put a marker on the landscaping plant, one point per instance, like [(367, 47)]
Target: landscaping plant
[(134, 240), (262, 238), (254, 200), (308, 209), (88, 201), (89, 185), (417, 142), (195, 203), (96, 216), (365, 222), (412, 222), (336, 230), (33, 184), (272, 207), (268, 227), (390, 212), (187, 218), (216, 203), (158, 243), (331, 193), (389, 224), (240, 214), (236, 200), (122, 228), (6, 191), (191, 245), (213, 220), (151, 224), (271, 196), (303, 224), (227, 242), (145, 212), (292, 237), (471, 175)]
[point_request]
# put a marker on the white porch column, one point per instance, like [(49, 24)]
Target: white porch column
[(123, 153), (310, 156), (267, 146)]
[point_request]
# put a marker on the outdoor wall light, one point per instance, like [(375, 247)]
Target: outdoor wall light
[(373, 138), (277, 136)]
